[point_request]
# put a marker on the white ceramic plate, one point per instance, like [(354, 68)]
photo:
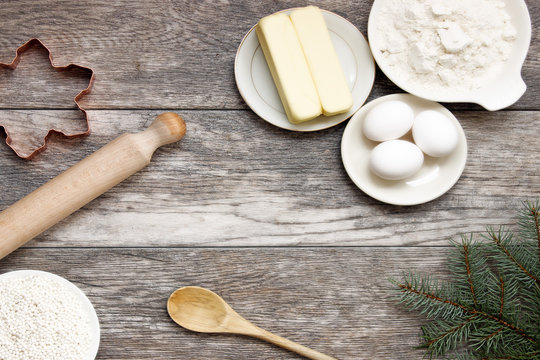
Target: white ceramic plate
[(501, 91), (256, 86), (436, 176), (86, 304)]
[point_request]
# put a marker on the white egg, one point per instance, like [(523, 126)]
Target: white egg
[(395, 159), (388, 121), (435, 134)]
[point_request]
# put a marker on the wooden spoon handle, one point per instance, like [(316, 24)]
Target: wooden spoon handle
[(85, 181), (290, 345)]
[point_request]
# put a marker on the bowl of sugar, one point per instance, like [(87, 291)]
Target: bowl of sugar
[(453, 51), (44, 316)]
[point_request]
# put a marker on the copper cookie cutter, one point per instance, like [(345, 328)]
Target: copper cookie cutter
[(13, 65)]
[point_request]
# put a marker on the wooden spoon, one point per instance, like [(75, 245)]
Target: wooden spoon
[(201, 310)]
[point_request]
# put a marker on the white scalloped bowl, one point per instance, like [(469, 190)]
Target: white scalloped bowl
[(502, 91)]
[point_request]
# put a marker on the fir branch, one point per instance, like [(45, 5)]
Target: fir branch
[(438, 338), (464, 355), (531, 214), (471, 311), (491, 308), (451, 331), (468, 269), (524, 356), (530, 221), (536, 214), (473, 278), (493, 334), (510, 326), (501, 284), (498, 240), (490, 339), (408, 287)]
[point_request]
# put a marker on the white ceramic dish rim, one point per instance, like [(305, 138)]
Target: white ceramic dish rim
[(87, 305), (382, 196), (321, 122), (495, 95)]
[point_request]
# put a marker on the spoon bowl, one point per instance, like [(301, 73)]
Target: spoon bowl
[(201, 310), (197, 309)]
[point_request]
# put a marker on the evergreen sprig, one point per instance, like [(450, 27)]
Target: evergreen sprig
[(490, 310)]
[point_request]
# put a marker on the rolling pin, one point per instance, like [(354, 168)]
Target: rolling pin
[(85, 181)]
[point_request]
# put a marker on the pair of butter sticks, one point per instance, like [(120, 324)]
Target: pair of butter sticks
[(304, 64)]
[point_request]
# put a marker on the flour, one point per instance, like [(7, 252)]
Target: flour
[(442, 44)]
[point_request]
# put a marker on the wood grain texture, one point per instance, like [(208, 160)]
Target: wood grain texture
[(210, 210), (236, 181), (174, 54), (337, 301)]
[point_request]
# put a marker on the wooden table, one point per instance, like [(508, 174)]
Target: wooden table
[(266, 217)]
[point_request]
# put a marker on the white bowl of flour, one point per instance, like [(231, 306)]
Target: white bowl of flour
[(453, 51)]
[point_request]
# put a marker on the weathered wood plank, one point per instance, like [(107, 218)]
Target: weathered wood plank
[(338, 301), (171, 54), (236, 181)]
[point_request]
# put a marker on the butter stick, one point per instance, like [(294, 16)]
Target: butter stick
[(288, 67), (324, 65)]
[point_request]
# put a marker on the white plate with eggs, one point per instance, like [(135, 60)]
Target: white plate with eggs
[(436, 174), (257, 88)]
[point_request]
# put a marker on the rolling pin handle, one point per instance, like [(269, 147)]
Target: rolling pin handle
[(167, 128)]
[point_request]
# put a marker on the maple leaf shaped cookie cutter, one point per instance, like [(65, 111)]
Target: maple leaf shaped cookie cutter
[(13, 65)]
